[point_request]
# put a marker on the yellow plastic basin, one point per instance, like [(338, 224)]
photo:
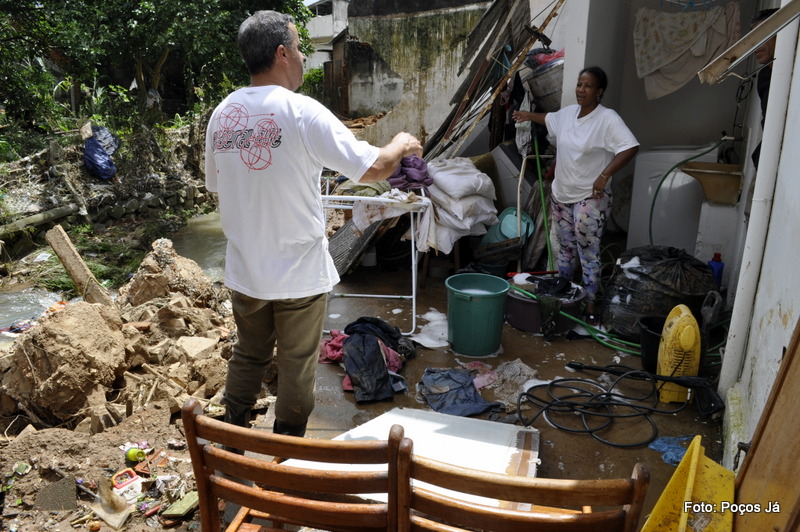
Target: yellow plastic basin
[(721, 182)]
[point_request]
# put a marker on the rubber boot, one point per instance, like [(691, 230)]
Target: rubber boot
[(289, 430), (236, 415)]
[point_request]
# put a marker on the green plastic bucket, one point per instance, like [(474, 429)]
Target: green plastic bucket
[(476, 305)]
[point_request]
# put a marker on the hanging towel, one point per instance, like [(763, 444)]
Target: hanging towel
[(670, 48), (523, 136)]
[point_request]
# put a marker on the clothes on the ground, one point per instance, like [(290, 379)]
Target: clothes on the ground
[(366, 361), (388, 334), (372, 352), (452, 391)]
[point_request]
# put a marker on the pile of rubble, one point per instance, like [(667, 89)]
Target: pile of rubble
[(90, 381)]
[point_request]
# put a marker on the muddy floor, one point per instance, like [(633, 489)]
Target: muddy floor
[(84, 385), (567, 452)]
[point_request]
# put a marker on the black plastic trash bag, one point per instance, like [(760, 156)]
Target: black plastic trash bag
[(651, 281)]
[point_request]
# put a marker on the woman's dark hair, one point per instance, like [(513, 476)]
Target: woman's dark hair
[(259, 37), (599, 74)]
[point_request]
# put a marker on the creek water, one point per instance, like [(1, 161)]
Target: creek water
[(200, 240)]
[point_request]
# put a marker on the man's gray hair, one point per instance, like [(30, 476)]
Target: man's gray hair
[(259, 37)]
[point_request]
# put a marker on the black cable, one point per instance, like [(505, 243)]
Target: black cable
[(706, 397), (591, 401)]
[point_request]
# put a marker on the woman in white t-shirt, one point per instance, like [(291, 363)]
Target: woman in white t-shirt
[(592, 144)]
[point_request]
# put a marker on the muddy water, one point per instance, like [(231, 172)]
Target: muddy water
[(18, 308), (202, 241)]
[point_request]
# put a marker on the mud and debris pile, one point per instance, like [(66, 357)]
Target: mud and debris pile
[(89, 381)]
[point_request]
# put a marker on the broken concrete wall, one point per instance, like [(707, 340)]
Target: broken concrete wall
[(374, 86), (411, 71)]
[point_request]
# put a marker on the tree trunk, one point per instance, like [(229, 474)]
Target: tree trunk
[(37, 219)]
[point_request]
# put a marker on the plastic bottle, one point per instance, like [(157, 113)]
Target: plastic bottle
[(716, 268), (134, 454)]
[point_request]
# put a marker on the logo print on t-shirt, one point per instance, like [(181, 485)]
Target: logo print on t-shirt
[(254, 144)]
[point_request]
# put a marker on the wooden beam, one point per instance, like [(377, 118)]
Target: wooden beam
[(719, 68), (511, 71), (88, 287)]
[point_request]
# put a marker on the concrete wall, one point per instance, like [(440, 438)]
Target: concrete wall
[(321, 31), (323, 28), (419, 55), (373, 86)]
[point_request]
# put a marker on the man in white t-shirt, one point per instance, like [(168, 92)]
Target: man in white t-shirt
[(266, 147)]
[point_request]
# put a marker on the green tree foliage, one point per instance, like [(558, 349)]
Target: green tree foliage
[(313, 84), (190, 44), (25, 79)]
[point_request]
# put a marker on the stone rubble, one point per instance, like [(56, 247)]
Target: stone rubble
[(87, 378)]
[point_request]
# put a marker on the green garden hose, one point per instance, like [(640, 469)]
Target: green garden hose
[(600, 336)]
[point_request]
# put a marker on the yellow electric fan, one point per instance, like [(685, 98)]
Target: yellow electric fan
[(678, 353)]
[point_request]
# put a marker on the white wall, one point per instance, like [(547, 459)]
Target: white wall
[(321, 56), (776, 308), (322, 30)]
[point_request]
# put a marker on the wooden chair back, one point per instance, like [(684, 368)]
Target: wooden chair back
[(269, 490), (512, 503)]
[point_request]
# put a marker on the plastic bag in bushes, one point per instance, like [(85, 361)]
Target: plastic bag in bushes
[(98, 161), (651, 281)]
